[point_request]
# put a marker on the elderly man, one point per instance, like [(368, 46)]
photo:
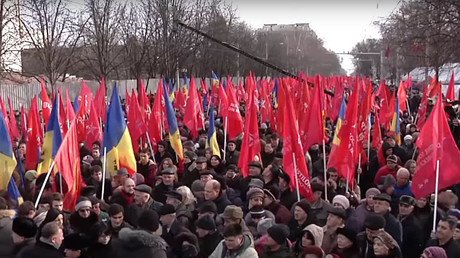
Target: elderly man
[(194, 166), (171, 228), (356, 219), (213, 192), (48, 245), (403, 184), (335, 219), (183, 215), (168, 183), (382, 207), (413, 234), (142, 201)]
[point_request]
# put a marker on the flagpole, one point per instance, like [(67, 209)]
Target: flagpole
[(42, 189), (104, 171), (296, 177), (325, 170), (225, 136), (369, 142), (408, 108), (60, 183), (359, 166), (436, 188), (150, 146)]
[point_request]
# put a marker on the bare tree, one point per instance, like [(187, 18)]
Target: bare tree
[(9, 36), (103, 48), (51, 35)]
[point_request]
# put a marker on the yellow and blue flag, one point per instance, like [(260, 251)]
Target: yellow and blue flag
[(14, 193), (395, 125), (117, 140), (174, 135), (7, 160), (342, 112), (52, 141), (212, 134)]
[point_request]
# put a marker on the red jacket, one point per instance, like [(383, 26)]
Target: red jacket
[(384, 171)]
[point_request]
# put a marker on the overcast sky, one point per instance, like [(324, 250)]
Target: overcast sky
[(340, 23)]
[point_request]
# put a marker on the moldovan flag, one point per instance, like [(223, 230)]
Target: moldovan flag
[(7, 160), (212, 134), (174, 135), (117, 140), (52, 141), (293, 151), (435, 142), (68, 162)]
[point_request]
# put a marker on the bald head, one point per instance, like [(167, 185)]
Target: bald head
[(128, 186), (211, 190)]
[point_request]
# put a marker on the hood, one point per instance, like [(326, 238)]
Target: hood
[(134, 239), (317, 233), (7, 214)]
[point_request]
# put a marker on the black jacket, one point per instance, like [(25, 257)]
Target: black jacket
[(221, 202), (209, 243), (190, 176), (413, 237), (82, 225), (393, 227), (159, 192), (40, 250), (139, 243), (288, 198), (169, 236), (101, 251), (283, 252), (452, 247)]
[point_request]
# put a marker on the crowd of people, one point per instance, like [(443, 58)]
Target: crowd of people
[(202, 207)]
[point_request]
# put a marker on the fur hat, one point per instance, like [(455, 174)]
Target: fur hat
[(374, 222), (24, 227), (232, 212), (279, 233), (256, 182), (372, 192), (148, 220)]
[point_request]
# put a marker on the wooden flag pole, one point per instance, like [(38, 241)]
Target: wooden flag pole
[(296, 177), (225, 136), (436, 188), (325, 170), (42, 189), (104, 172), (150, 146)]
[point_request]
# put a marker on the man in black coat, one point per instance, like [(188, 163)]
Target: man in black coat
[(287, 197), (167, 185), (171, 228), (413, 234), (393, 226), (208, 236), (213, 192), (48, 244), (444, 237), (24, 232), (193, 168)]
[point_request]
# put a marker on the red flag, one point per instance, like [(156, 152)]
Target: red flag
[(402, 96), (235, 121), (450, 95), (193, 116), (100, 101), (85, 98), (14, 131), (156, 122), (250, 147), (223, 108), (69, 108), (136, 124), (23, 122), (68, 162), (47, 105), (144, 102), (435, 87), (346, 155), (363, 117), (93, 127), (312, 127), (376, 134), (35, 136), (179, 101), (421, 115), (435, 142), (63, 116), (293, 151)]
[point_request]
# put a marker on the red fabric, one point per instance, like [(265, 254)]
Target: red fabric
[(235, 121), (450, 95), (376, 134), (69, 108), (312, 126), (179, 101), (14, 131), (47, 105), (384, 171), (136, 124), (193, 117), (24, 123), (402, 96), (250, 147), (436, 142), (435, 87), (99, 101), (293, 152), (93, 128), (155, 123), (68, 162), (63, 116), (35, 136), (144, 102), (223, 107), (363, 116), (85, 99)]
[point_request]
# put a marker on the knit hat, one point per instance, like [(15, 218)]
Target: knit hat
[(348, 233), (207, 206), (304, 205), (372, 192), (232, 212), (435, 252), (273, 192), (76, 241), (206, 223), (256, 182), (201, 160), (408, 137), (148, 220), (257, 212), (374, 222), (24, 227), (83, 203), (143, 188), (341, 200), (279, 233), (392, 158), (317, 187), (264, 224), (255, 192), (166, 210), (197, 186)]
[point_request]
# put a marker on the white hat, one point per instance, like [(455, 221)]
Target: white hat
[(408, 137)]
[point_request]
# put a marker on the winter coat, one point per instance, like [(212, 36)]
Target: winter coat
[(393, 227), (383, 172), (139, 243), (319, 210), (40, 250), (82, 225), (209, 243), (283, 252), (232, 157), (159, 192), (268, 215), (6, 223), (122, 198), (452, 247), (101, 251), (282, 214), (245, 251), (413, 237), (221, 202), (190, 176), (288, 198), (296, 230), (356, 219), (169, 236), (24, 245), (329, 240)]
